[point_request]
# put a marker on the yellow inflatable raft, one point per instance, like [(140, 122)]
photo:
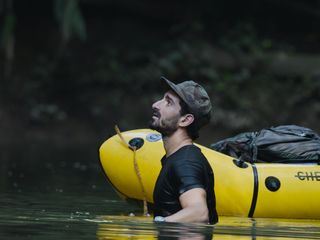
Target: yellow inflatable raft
[(242, 189)]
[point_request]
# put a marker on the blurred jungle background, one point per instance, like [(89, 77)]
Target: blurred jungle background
[(71, 69)]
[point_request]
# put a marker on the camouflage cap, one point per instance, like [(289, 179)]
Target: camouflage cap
[(195, 97)]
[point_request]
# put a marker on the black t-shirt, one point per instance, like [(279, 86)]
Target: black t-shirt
[(185, 169)]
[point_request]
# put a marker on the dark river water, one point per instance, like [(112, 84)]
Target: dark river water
[(52, 192)]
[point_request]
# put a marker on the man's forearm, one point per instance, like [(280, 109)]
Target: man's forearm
[(190, 214)]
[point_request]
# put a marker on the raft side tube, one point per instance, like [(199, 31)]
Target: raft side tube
[(297, 195)]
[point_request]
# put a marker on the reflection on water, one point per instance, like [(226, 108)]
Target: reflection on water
[(228, 227), (53, 193)]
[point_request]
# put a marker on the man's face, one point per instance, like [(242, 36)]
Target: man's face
[(166, 114)]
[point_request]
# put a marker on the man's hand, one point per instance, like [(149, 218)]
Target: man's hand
[(194, 207)]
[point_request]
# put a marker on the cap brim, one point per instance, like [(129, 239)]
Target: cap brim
[(168, 85)]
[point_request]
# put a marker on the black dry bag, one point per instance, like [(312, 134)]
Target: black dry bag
[(282, 144)]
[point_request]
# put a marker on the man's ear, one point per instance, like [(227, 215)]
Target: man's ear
[(186, 120)]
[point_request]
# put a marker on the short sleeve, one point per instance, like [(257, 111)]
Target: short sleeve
[(189, 175)]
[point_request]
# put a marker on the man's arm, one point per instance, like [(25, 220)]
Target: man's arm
[(194, 207)]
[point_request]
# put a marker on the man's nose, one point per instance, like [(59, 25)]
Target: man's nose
[(156, 105)]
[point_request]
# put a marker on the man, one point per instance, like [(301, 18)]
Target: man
[(184, 191)]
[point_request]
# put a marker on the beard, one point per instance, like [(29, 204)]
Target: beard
[(164, 126)]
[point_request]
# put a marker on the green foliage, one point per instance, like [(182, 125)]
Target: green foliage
[(116, 75), (243, 39), (69, 16), (7, 43), (44, 113), (7, 30)]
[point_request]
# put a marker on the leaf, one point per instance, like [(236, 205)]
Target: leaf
[(8, 29), (78, 24), (69, 16), (58, 9)]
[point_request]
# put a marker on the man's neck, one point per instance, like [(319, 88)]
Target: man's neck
[(176, 141)]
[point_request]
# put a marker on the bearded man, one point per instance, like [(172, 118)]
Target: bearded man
[(184, 191)]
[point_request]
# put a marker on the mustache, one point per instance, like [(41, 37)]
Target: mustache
[(156, 113)]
